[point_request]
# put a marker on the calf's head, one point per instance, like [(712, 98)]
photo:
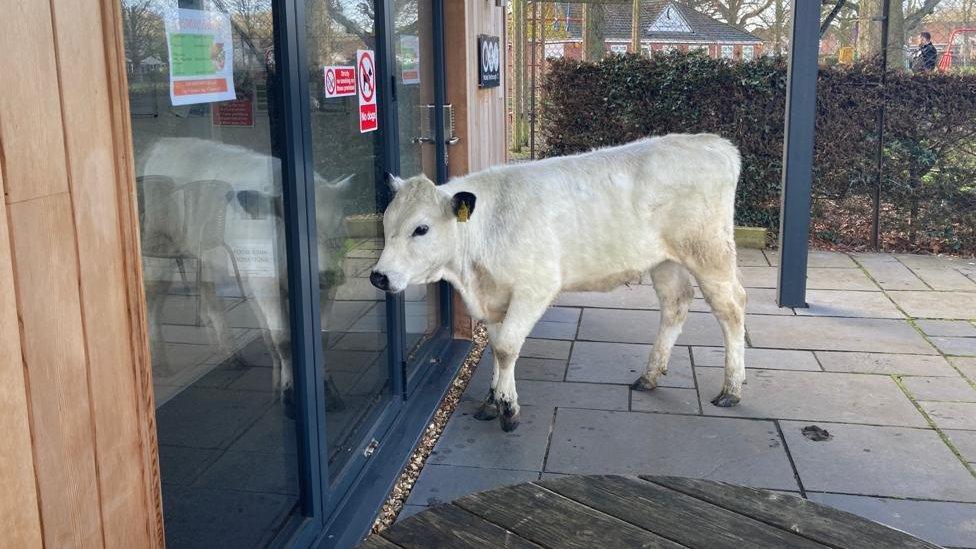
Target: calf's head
[(421, 231)]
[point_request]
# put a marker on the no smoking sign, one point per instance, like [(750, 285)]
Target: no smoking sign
[(368, 119), (340, 81)]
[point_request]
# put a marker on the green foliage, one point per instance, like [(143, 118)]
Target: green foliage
[(930, 136)]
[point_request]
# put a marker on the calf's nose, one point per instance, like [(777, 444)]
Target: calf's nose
[(379, 280)]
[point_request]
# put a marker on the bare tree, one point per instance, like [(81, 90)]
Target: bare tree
[(143, 28), (742, 14), (905, 18), (773, 26)]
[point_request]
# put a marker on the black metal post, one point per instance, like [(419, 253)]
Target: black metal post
[(535, 46), (801, 110), (876, 220)]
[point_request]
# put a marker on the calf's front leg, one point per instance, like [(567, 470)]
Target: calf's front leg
[(506, 343)]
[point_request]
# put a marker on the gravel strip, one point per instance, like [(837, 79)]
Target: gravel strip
[(408, 476)]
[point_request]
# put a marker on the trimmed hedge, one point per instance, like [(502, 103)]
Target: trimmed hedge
[(929, 200)]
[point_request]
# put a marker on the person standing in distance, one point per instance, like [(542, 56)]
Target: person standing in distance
[(926, 57)]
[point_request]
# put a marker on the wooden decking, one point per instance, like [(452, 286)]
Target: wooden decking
[(615, 511)]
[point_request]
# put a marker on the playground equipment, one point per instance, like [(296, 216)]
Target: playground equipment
[(945, 62)]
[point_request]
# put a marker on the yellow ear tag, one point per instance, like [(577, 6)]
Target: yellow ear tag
[(463, 212)]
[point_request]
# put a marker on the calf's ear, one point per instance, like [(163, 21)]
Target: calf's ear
[(394, 182), (462, 204)]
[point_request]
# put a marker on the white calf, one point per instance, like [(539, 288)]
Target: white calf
[(509, 239)]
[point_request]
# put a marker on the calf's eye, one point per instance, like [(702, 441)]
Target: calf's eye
[(421, 230)]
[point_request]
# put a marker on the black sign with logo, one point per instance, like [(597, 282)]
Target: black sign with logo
[(489, 61)]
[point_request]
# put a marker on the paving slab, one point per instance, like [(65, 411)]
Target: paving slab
[(409, 510), (467, 441), (546, 348), (626, 326), (665, 399), (885, 364), (758, 277), (947, 305), (772, 359), (540, 369), (751, 257), (835, 334), (634, 296), (951, 415), (938, 272), (965, 443), (444, 483), (557, 323), (742, 451), (839, 279), (597, 396), (814, 396), (879, 461), (889, 273), (966, 365), (817, 258), (947, 328), (944, 389), (956, 346), (762, 301), (849, 304), (942, 523), (526, 369), (601, 362)]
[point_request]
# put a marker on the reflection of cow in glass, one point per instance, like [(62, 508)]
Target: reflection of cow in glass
[(193, 195)]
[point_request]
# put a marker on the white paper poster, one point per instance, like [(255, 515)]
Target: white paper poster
[(201, 57), (409, 59)]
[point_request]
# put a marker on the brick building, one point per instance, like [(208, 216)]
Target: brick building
[(665, 26)]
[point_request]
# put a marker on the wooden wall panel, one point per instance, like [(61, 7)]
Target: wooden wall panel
[(91, 175), (479, 114), (46, 266), (20, 519), (138, 327), (31, 121), (486, 107)]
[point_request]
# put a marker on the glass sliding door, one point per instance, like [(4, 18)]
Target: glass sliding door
[(350, 194), (415, 77), (208, 150)]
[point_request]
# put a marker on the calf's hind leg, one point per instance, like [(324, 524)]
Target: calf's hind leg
[(672, 283), (489, 407), (718, 277)]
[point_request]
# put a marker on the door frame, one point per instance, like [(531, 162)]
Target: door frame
[(360, 481)]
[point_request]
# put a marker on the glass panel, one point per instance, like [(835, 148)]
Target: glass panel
[(349, 194), (413, 40), (207, 151)]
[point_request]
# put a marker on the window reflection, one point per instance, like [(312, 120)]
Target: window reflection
[(210, 210)]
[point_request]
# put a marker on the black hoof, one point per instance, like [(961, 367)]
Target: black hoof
[(486, 412), (725, 400), (643, 385), (488, 409), (509, 418)]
